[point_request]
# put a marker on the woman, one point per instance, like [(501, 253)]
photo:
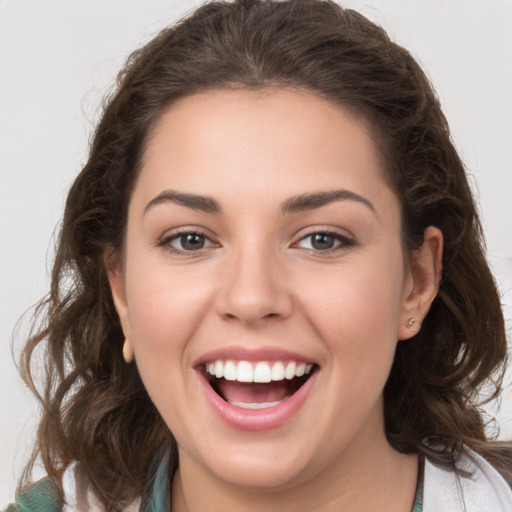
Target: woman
[(278, 294)]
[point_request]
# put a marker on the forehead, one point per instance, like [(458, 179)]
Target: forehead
[(265, 143)]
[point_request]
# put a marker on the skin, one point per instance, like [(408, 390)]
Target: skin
[(259, 282)]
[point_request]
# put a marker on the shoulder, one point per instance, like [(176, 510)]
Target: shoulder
[(42, 496), (47, 495), (73, 494), (471, 485)]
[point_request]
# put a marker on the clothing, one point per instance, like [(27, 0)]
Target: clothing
[(473, 485), (418, 499)]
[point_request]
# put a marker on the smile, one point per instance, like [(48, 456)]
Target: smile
[(257, 395), (257, 385), (245, 371)]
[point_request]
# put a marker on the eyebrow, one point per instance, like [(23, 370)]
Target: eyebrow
[(294, 204), (196, 202), (315, 200)]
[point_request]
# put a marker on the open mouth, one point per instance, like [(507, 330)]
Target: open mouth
[(257, 385)]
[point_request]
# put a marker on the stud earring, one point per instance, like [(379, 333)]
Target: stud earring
[(127, 351), (411, 323)]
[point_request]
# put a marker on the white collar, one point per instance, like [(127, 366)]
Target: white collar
[(473, 486)]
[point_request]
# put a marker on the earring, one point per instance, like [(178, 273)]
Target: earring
[(127, 351), (411, 323)]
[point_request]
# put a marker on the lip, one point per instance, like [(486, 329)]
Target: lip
[(259, 420)]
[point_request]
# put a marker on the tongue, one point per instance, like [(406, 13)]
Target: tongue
[(234, 391)]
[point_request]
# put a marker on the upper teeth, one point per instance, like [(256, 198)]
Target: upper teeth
[(244, 371)]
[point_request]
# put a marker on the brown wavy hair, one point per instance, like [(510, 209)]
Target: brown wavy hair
[(95, 408)]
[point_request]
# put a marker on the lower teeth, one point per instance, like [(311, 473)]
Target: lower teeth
[(255, 405)]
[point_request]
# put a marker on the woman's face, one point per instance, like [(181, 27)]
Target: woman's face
[(263, 285)]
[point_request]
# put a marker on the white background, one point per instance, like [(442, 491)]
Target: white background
[(57, 59)]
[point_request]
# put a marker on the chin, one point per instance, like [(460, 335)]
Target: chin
[(261, 475), (276, 464)]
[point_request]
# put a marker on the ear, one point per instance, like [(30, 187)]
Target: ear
[(115, 274), (422, 282)]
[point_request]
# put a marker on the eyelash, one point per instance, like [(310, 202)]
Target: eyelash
[(341, 241)]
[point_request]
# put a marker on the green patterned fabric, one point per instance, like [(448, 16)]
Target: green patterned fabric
[(159, 497), (418, 502), (42, 496)]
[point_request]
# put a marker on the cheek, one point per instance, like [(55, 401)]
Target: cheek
[(356, 309), (164, 308)]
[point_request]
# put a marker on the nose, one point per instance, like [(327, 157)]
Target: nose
[(254, 288)]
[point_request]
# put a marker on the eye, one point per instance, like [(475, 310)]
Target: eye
[(325, 241), (186, 242)]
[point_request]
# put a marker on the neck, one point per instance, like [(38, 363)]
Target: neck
[(380, 479)]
